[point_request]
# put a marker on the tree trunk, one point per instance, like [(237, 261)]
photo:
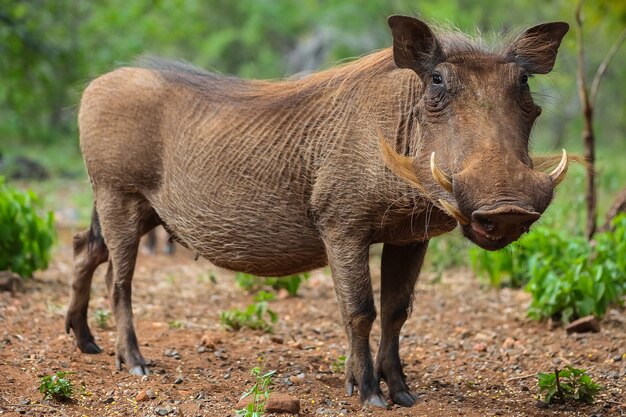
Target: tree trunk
[(590, 158)]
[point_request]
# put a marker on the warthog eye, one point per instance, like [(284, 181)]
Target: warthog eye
[(524, 79), (437, 79)]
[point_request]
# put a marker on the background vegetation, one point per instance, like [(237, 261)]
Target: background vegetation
[(51, 49)]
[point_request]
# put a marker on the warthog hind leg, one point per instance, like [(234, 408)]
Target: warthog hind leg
[(400, 267), (89, 252), (124, 220)]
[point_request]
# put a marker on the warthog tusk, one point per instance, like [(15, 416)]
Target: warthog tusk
[(442, 178), (454, 212), (559, 172)]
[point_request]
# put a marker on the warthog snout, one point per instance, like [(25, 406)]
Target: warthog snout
[(496, 210), (497, 227)]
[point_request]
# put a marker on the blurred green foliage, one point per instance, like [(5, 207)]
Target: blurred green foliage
[(25, 236), (51, 49), (253, 283)]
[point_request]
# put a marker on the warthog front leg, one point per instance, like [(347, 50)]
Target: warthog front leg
[(87, 256), (348, 261), (400, 267)]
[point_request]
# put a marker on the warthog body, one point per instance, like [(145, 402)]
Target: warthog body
[(274, 178)]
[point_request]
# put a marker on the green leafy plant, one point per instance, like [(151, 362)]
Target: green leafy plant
[(252, 283), (57, 387), (260, 392), (175, 324), (253, 317), (568, 383), (567, 276), (25, 237), (339, 365), (101, 317)]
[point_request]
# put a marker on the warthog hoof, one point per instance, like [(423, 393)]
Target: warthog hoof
[(404, 398), (376, 398), (90, 347)]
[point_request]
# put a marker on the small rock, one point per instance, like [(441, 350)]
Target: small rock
[(208, 342), (508, 343), (151, 394), (278, 402), (480, 347), (142, 396), (277, 339), (10, 282), (584, 325), (25, 401), (172, 354), (20, 411), (109, 400), (178, 380), (617, 358), (163, 411)]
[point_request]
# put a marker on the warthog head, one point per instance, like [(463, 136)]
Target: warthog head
[(475, 113)]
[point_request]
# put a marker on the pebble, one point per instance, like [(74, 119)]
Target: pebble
[(109, 400), (584, 325), (151, 394), (480, 347), (142, 396), (208, 342), (163, 411), (172, 354), (178, 380)]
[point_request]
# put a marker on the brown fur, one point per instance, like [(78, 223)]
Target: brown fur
[(278, 177)]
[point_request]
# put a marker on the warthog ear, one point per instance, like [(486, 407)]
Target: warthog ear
[(535, 49), (415, 46)]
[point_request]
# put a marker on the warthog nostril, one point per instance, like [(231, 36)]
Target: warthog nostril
[(488, 226), (508, 220)]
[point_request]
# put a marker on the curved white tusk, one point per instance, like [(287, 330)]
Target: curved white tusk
[(442, 178), (454, 212), (559, 172)]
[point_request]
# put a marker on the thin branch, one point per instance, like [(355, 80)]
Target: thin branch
[(582, 86), (605, 63)]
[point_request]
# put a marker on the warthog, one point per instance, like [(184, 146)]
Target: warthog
[(275, 178)]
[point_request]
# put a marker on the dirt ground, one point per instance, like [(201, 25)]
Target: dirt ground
[(468, 351)]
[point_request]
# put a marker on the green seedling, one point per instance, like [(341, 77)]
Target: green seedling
[(175, 324), (260, 392), (101, 318), (57, 387), (339, 365), (566, 384)]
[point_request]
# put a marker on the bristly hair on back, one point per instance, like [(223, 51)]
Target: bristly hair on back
[(336, 81)]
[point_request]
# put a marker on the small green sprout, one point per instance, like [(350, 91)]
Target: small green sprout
[(102, 316), (260, 393), (175, 324), (339, 365), (57, 387), (568, 383)]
